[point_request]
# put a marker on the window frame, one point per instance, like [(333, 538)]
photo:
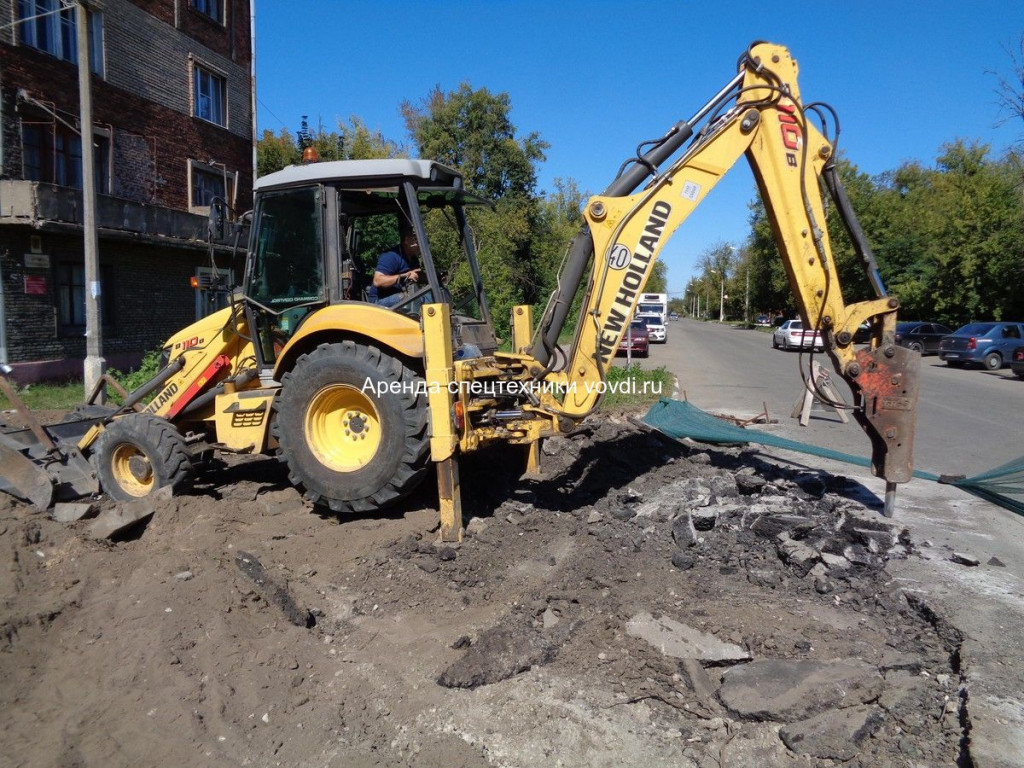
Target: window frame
[(201, 7), (66, 325), (58, 153), (200, 70), (230, 178), (58, 27)]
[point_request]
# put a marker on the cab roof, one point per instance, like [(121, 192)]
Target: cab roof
[(374, 171)]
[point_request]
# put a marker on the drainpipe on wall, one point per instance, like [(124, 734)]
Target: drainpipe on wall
[(3, 320), (252, 80), (3, 306)]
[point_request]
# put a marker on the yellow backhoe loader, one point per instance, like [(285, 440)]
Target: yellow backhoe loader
[(359, 400)]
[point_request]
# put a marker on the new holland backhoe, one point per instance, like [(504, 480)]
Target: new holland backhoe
[(360, 400)]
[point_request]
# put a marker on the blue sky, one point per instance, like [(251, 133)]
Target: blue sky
[(596, 78)]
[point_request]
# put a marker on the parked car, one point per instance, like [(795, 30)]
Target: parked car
[(1017, 362), (791, 335), (923, 337), (863, 334), (761, 320), (655, 328), (673, 316), (636, 340), (986, 344)]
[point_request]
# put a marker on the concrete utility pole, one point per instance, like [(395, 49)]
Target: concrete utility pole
[(94, 362)]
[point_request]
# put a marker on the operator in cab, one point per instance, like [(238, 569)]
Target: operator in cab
[(396, 268)]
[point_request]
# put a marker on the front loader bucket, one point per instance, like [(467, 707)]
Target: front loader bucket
[(41, 475), (22, 477)]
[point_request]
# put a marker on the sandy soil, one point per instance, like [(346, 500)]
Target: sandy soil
[(240, 627)]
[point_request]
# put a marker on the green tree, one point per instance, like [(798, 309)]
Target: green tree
[(954, 236), (471, 130), (274, 152), (349, 141), (657, 281)]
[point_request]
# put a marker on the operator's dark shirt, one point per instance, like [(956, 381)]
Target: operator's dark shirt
[(389, 263)]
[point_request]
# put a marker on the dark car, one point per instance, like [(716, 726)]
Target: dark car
[(636, 339), (987, 344), (921, 337), (1017, 362)]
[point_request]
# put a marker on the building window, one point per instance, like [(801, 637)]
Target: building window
[(48, 26), (52, 153), (71, 297), (212, 8), (209, 96), (208, 182)]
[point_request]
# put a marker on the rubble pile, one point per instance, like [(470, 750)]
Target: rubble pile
[(643, 602)]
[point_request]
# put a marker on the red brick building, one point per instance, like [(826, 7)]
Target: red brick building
[(172, 105)]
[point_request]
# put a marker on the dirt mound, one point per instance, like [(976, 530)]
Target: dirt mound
[(596, 616)]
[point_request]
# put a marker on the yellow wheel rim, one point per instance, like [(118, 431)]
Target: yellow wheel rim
[(132, 470), (343, 428)]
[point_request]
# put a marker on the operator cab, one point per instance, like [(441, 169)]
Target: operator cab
[(319, 229)]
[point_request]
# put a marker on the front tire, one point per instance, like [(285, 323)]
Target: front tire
[(137, 454), (352, 426)]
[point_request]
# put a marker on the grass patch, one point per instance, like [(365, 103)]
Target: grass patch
[(633, 385), (48, 397), (63, 396)]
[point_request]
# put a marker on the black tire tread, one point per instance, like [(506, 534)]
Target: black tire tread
[(415, 460), (157, 438)]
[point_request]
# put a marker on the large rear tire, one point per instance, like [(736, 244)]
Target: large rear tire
[(138, 454), (352, 425)]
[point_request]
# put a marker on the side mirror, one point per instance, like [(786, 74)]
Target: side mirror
[(215, 225)]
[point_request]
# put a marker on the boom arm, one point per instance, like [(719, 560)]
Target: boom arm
[(790, 161)]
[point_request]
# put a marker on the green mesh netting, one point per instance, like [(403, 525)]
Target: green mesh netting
[(1003, 485)]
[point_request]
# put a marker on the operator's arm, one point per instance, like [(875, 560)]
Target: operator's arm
[(381, 280), (391, 269)]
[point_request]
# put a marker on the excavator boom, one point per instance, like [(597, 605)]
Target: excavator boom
[(759, 115)]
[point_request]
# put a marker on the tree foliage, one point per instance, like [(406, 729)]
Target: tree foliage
[(472, 131), (348, 141), (948, 240)]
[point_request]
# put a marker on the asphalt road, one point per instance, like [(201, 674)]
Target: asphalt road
[(969, 420)]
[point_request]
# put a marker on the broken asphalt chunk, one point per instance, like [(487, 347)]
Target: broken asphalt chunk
[(833, 735), (965, 559), (790, 690), (118, 519), (273, 592), (504, 651), (680, 641)]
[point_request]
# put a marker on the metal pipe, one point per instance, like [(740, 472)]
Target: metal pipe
[(3, 318), (207, 397), (161, 378)]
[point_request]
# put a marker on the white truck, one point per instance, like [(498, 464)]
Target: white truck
[(653, 310)]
